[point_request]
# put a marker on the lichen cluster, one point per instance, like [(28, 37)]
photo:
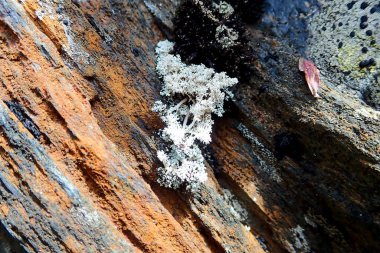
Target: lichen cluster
[(200, 92)]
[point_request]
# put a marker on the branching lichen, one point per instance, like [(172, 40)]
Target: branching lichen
[(201, 92)]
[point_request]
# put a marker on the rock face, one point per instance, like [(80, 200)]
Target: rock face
[(287, 173), (348, 49)]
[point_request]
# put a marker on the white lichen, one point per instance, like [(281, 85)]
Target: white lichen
[(75, 50), (88, 216), (227, 37), (310, 221), (44, 10), (236, 209), (223, 8), (188, 122), (208, 13), (300, 242), (264, 156)]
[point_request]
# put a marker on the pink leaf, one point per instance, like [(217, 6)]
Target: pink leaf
[(311, 75)]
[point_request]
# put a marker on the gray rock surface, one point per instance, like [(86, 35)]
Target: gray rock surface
[(344, 42), (287, 172)]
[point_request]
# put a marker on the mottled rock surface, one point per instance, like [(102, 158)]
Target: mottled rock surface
[(345, 43), (287, 173)]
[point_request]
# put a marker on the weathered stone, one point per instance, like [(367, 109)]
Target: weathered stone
[(77, 158), (341, 43)]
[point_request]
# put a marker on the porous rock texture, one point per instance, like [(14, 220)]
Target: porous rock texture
[(287, 173)]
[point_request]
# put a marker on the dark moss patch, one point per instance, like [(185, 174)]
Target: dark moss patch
[(288, 144), (248, 10), (350, 5), (367, 63), (364, 5), (195, 29), (347, 73), (136, 52), (374, 9), (363, 25)]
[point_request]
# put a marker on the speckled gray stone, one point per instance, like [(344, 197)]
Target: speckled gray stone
[(344, 43)]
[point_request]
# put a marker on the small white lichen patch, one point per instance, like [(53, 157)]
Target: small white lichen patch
[(236, 209), (188, 121), (88, 216), (300, 241), (74, 49), (368, 112), (310, 222), (36, 67), (223, 8), (44, 10), (205, 10), (226, 36), (95, 221), (264, 156)]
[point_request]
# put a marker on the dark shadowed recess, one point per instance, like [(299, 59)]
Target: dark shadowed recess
[(287, 19), (8, 243), (21, 114)]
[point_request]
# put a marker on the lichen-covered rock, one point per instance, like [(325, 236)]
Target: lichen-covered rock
[(287, 173), (371, 94), (298, 147), (344, 42), (77, 162)]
